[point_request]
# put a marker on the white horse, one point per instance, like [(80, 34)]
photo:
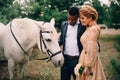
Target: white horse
[(2, 57), (18, 38)]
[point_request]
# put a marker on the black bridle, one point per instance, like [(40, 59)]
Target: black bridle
[(50, 54), (47, 50)]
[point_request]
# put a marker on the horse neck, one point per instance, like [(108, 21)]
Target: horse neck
[(26, 35)]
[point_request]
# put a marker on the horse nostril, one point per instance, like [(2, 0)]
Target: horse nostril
[(59, 63)]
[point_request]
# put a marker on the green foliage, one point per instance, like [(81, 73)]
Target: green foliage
[(114, 63), (116, 66), (117, 43), (42, 10), (104, 16), (4, 5), (61, 4), (101, 11), (107, 19), (78, 3), (14, 11), (108, 15), (33, 10), (115, 13), (81, 70), (59, 16)]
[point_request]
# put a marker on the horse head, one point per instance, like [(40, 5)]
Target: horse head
[(48, 42)]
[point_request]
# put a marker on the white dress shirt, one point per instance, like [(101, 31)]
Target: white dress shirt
[(71, 47)]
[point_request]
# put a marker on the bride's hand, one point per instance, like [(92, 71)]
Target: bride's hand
[(87, 71)]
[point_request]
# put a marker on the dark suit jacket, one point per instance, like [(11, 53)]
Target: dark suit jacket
[(80, 31)]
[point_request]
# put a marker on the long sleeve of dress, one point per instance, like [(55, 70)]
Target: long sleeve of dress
[(91, 47)]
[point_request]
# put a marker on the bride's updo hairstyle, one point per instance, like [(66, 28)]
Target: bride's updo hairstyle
[(89, 11)]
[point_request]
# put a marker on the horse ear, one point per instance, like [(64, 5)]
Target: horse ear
[(52, 21)]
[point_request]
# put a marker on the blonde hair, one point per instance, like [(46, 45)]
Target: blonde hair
[(89, 11)]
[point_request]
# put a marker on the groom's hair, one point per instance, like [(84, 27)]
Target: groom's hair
[(73, 11)]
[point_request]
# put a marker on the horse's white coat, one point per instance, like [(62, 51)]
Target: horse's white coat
[(27, 33)]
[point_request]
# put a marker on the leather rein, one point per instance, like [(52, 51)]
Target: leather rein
[(50, 54)]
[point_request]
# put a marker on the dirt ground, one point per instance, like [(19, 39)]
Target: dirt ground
[(39, 68)]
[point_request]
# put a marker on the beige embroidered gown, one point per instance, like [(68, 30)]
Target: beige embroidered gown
[(89, 55)]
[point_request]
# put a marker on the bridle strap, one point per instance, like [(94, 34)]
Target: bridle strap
[(41, 39), (54, 53), (16, 39), (49, 58), (50, 54)]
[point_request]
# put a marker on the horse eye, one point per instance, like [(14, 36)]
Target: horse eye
[(48, 40)]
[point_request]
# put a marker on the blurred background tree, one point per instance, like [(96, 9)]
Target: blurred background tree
[(46, 9), (114, 11), (4, 5)]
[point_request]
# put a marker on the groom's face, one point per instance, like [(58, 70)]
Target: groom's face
[(72, 19)]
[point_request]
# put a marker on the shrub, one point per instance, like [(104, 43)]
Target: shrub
[(117, 43)]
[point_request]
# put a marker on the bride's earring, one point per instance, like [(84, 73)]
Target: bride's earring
[(89, 24)]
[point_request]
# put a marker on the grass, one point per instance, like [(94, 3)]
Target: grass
[(117, 43), (116, 63), (109, 53)]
